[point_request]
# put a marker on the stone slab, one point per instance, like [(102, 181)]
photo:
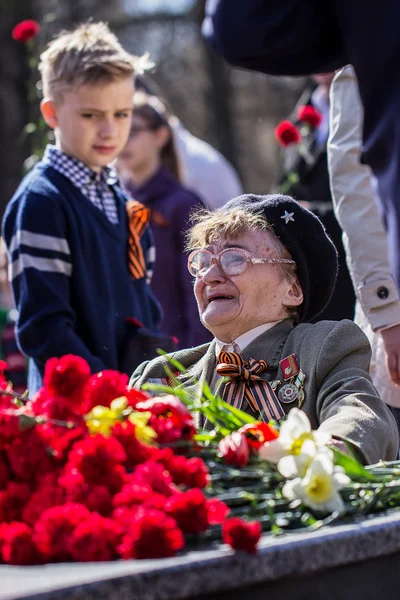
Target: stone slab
[(208, 571)]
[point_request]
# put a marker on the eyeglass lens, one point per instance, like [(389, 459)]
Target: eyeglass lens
[(232, 262)]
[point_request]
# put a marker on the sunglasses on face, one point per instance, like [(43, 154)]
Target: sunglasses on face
[(231, 261)]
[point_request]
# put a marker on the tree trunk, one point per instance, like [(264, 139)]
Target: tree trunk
[(14, 114)]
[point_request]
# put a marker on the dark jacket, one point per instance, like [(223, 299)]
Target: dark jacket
[(70, 276), (171, 205), (312, 185)]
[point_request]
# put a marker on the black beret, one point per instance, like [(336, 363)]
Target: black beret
[(303, 234)]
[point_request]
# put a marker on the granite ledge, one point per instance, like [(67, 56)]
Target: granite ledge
[(209, 570)]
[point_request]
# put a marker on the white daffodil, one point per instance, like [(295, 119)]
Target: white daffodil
[(319, 488), (293, 433), (296, 465)]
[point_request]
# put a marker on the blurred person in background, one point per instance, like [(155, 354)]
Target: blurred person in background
[(16, 373), (150, 168), (304, 175), (203, 168), (355, 201)]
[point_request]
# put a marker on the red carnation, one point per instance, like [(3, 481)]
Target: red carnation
[(60, 439), (189, 509), (241, 535), (3, 379), (170, 419), (157, 502), (234, 449), (217, 511), (55, 527), (309, 115), (12, 501), (99, 461), (54, 407), (104, 387), (258, 433), (25, 30), (122, 515), (95, 539), (136, 452), (18, 546), (66, 376), (9, 426), (27, 455), (151, 534), (96, 498), (191, 472), (4, 472), (48, 494), (133, 494), (3, 529), (134, 396), (155, 475), (286, 133)]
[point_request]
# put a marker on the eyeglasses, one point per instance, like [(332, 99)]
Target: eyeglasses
[(231, 261)]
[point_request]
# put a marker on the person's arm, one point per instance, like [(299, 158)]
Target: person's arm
[(273, 36), (347, 404), (356, 209), (40, 272)]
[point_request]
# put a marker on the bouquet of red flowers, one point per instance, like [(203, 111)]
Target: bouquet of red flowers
[(87, 474)]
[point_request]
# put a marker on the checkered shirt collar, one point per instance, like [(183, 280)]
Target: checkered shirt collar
[(76, 171)]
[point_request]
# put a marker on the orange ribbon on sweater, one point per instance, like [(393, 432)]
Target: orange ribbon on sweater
[(138, 219)]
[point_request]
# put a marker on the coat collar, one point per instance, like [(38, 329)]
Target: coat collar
[(267, 346)]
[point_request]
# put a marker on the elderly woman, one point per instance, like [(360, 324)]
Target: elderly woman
[(263, 267)]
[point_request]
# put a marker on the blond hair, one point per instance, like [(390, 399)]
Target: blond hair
[(89, 54), (210, 225)]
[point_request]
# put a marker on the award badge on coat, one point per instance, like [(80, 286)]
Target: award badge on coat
[(292, 388)]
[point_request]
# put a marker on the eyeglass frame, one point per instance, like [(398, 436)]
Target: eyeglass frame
[(245, 253)]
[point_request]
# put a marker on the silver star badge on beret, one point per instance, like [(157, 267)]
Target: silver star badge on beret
[(288, 217)]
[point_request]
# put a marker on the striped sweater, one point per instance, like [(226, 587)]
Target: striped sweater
[(69, 274)]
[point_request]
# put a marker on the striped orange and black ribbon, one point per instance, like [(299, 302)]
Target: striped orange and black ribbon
[(138, 219), (246, 384)]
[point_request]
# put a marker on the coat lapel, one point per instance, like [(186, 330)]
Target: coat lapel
[(268, 346), (200, 372)]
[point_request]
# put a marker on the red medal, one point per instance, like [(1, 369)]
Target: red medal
[(289, 367)]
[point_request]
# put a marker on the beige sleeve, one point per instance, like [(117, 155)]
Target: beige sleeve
[(356, 208), (348, 405)]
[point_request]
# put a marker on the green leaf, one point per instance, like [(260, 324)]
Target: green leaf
[(205, 437), (352, 467), (246, 417), (166, 389)]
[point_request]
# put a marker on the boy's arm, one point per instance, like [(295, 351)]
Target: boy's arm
[(40, 271)]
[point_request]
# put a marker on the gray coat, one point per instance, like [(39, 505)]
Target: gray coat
[(339, 395)]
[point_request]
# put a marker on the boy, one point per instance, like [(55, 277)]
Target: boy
[(67, 228)]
